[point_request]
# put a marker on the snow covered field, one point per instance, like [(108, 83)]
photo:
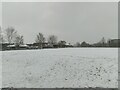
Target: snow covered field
[(69, 67)]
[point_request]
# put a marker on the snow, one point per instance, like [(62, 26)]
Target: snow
[(11, 46), (67, 67), (20, 45), (24, 45), (0, 69)]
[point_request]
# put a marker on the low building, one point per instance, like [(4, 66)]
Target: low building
[(3, 46), (20, 47), (37, 45), (68, 45), (114, 43)]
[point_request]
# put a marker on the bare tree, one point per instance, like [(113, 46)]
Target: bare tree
[(62, 43), (103, 41), (77, 44), (108, 42), (40, 39), (52, 39), (10, 34), (1, 36), (19, 40)]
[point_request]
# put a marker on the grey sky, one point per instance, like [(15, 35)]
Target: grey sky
[(69, 21), (0, 13)]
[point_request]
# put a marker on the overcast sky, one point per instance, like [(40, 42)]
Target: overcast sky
[(73, 22), (0, 14)]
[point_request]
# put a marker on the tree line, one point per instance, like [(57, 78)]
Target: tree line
[(10, 35)]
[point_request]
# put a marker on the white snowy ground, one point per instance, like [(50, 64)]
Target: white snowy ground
[(0, 70), (69, 67)]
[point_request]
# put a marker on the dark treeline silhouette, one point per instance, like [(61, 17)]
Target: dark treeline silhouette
[(11, 40)]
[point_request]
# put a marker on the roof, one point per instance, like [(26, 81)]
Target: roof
[(19, 46), (24, 45), (11, 46), (116, 39)]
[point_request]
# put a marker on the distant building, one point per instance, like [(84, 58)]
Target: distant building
[(68, 45), (84, 44), (44, 45), (20, 47), (114, 43), (62, 44), (4, 46)]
